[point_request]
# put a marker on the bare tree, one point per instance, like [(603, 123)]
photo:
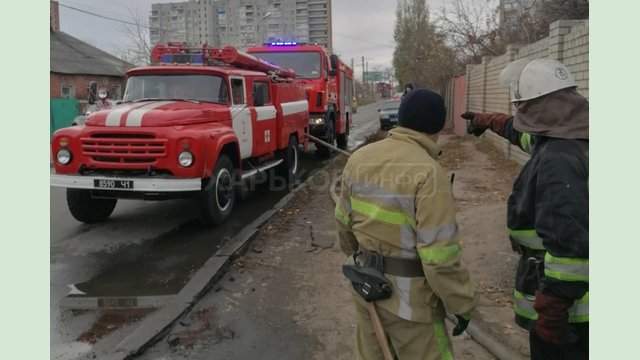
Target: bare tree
[(528, 21), (472, 28), (421, 55), (139, 52), (476, 28)]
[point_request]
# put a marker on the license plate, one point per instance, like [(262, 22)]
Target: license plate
[(117, 302), (112, 184)]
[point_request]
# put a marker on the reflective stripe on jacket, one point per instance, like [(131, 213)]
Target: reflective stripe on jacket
[(396, 200)]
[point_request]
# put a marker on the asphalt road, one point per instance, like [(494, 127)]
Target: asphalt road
[(144, 249)]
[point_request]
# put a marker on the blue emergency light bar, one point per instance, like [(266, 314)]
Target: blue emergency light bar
[(283, 43)]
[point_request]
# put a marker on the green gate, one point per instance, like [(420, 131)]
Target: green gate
[(63, 111)]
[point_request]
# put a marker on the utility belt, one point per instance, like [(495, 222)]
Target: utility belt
[(390, 265), (367, 275)]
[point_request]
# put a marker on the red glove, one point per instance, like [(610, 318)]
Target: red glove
[(479, 122), (553, 319)]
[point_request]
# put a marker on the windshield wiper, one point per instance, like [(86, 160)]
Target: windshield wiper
[(171, 99)]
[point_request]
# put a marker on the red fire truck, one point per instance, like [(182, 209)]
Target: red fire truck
[(329, 85), (194, 125)]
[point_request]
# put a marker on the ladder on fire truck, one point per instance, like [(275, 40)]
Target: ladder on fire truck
[(179, 53)]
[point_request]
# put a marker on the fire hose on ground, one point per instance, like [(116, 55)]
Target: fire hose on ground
[(331, 146), (473, 330)]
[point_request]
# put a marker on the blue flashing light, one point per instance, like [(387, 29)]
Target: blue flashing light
[(283, 43)]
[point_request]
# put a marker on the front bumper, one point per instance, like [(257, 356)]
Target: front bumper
[(318, 130), (138, 184), (389, 122)]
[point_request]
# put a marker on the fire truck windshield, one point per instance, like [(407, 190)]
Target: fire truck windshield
[(306, 64), (206, 88)]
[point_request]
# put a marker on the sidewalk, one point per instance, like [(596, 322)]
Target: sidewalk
[(286, 297)]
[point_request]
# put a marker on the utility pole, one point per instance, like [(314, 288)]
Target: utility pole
[(367, 84), (364, 81), (353, 83)]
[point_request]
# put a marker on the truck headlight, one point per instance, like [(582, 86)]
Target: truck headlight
[(185, 159), (63, 156), (384, 116), (316, 120)]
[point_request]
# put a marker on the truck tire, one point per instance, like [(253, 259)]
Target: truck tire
[(330, 136), (217, 199), (343, 139), (288, 169), (89, 210)]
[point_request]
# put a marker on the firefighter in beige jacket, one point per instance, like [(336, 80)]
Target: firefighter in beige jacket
[(396, 201)]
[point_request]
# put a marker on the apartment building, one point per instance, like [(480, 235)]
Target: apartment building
[(242, 23), (191, 22)]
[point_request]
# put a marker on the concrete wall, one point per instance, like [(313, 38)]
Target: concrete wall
[(568, 42)]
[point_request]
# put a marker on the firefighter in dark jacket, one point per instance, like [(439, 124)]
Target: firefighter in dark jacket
[(548, 210)]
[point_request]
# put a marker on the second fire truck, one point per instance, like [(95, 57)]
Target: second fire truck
[(329, 87)]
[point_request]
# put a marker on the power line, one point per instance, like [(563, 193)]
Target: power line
[(105, 17), (81, 4)]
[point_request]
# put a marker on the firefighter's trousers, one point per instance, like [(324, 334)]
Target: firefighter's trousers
[(407, 339)]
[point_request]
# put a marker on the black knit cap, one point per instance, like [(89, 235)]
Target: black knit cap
[(422, 110)]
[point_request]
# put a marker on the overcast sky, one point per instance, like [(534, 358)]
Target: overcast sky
[(360, 27)]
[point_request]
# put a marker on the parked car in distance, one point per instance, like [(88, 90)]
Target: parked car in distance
[(389, 114)]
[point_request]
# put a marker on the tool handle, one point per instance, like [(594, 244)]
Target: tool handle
[(377, 328)]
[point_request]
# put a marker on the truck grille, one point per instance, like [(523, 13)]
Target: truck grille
[(124, 148)]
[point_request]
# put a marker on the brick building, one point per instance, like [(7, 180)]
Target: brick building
[(73, 64)]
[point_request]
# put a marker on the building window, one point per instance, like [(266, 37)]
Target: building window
[(67, 92)]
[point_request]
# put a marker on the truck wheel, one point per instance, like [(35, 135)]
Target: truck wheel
[(217, 199), (288, 169), (343, 139), (86, 209), (329, 137)]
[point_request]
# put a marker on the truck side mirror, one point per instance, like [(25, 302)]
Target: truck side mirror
[(333, 72), (92, 92)]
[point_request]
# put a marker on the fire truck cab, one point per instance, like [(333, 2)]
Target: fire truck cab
[(329, 87), (195, 125)]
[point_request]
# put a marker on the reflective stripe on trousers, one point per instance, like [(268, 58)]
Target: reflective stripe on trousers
[(523, 306)]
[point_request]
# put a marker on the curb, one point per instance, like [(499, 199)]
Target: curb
[(115, 302), (154, 327)]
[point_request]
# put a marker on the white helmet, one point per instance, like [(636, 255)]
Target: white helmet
[(529, 79)]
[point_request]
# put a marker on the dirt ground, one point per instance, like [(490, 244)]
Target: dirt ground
[(285, 298)]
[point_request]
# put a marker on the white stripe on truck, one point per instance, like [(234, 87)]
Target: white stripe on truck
[(265, 112), (135, 117), (293, 107)]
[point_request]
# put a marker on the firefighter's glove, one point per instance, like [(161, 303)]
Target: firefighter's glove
[(463, 323), (479, 122), (553, 319)]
